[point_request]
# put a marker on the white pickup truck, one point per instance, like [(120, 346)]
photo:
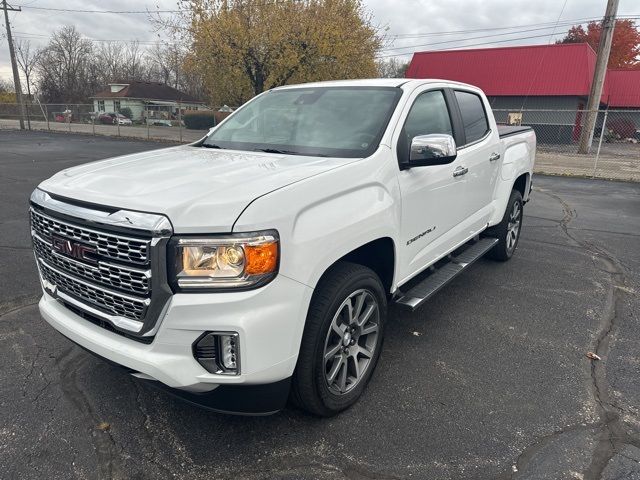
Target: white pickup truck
[(256, 265)]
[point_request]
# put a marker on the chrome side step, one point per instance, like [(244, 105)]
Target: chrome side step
[(439, 277)]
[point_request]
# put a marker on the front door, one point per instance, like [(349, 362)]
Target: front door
[(433, 203)]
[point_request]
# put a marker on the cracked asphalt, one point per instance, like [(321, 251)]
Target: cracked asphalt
[(488, 381)]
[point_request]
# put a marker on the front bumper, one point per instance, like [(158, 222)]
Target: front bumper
[(269, 321)]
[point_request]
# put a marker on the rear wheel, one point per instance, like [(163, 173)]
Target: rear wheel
[(508, 230), (342, 340)]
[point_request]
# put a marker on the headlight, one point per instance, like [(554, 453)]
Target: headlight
[(231, 261)]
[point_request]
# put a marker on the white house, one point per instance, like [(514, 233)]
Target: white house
[(146, 100)]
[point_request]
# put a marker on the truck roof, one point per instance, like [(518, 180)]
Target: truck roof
[(372, 82)]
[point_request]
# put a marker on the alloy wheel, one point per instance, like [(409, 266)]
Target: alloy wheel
[(351, 341), (513, 226)]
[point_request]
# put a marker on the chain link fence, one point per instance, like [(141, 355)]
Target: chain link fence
[(615, 148), (614, 151), (152, 122)]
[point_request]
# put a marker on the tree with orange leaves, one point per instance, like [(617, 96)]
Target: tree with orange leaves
[(625, 48), (243, 47)]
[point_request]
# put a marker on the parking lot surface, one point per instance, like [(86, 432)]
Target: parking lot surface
[(489, 380)]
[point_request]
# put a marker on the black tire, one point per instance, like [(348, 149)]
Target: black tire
[(506, 247), (310, 390)]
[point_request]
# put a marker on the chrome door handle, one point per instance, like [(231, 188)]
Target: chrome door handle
[(459, 171), (494, 156)]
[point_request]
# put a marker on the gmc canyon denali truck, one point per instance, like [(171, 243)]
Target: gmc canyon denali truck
[(256, 265)]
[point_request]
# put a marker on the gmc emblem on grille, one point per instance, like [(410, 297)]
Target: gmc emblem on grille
[(79, 251)]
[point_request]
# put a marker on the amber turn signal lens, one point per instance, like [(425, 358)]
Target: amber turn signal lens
[(261, 259)]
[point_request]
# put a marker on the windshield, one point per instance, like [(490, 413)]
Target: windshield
[(326, 121)]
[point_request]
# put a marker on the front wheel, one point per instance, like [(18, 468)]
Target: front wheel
[(342, 340), (508, 230)]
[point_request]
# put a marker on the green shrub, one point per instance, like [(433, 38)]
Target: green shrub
[(126, 111), (199, 120)]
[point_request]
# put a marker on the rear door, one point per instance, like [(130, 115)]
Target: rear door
[(478, 153)]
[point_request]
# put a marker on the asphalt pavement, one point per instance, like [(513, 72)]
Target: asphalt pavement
[(489, 380)]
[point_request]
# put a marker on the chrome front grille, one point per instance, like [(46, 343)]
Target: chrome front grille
[(111, 246), (132, 280), (114, 303), (86, 261)]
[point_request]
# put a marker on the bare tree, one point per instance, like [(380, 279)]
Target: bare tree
[(167, 63), (110, 59), (6, 86), (71, 68), (27, 59), (391, 68), (64, 68), (134, 61)]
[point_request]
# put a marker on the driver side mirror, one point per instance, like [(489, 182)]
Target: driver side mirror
[(433, 149)]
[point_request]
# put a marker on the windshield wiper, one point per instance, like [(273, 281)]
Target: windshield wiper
[(288, 152), (275, 150), (212, 145)]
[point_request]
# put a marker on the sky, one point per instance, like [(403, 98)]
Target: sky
[(409, 25)]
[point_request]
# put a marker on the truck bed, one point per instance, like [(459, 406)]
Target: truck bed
[(507, 130)]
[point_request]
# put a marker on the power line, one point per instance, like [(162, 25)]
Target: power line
[(551, 26), (546, 35), (474, 38), (473, 44), (81, 10), (576, 21), (30, 36), (27, 35), (73, 10)]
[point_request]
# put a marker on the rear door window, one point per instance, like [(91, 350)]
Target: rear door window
[(474, 118)]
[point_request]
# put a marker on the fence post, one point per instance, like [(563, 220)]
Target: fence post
[(28, 112), (180, 120), (42, 111), (604, 126)]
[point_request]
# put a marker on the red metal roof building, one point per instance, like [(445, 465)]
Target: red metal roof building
[(540, 70), (623, 88), (529, 71), (550, 83)]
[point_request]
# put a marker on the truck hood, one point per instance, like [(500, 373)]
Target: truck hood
[(201, 190)]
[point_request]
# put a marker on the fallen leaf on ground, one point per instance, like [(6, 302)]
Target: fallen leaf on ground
[(593, 356), (104, 426)]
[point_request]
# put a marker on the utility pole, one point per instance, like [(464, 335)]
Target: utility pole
[(14, 65), (604, 47)]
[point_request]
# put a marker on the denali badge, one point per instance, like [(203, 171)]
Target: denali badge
[(420, 235), (73, 249)]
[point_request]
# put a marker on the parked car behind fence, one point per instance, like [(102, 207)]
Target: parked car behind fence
[(114, 118)]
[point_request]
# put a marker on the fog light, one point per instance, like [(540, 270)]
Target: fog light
[(218, 352), (229, 351)]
